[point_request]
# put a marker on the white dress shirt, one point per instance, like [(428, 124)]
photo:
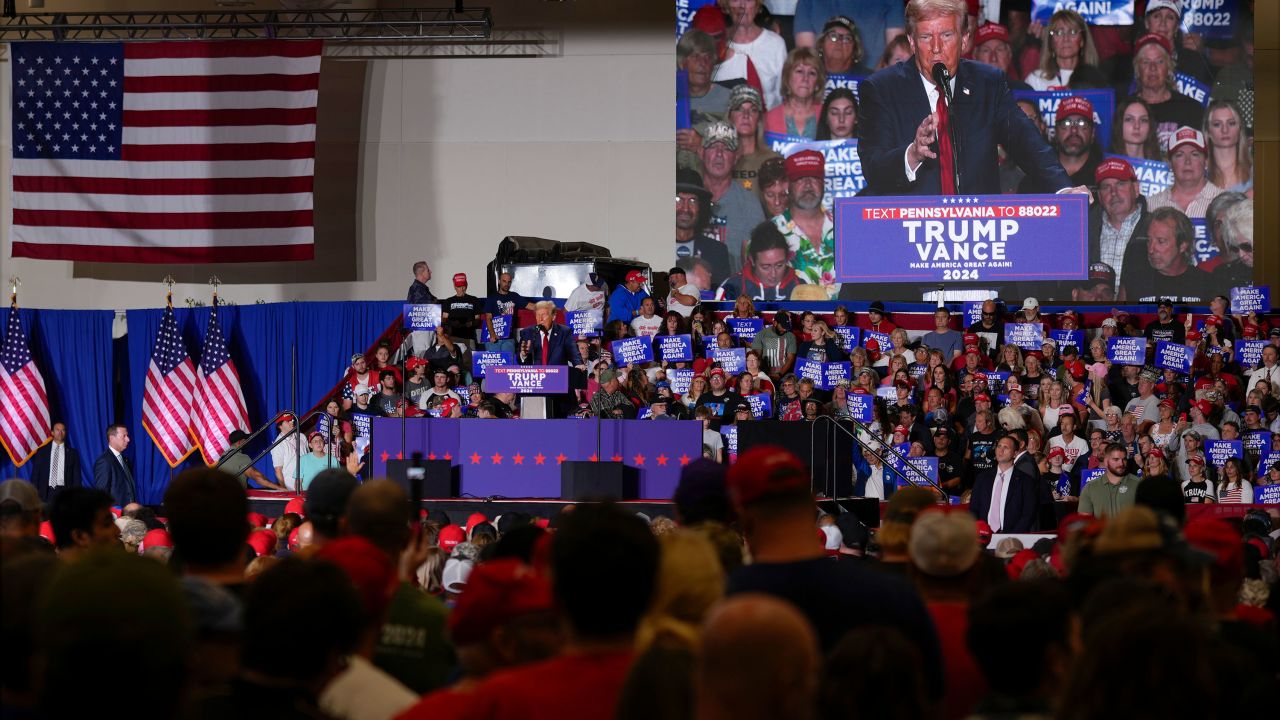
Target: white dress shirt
[(998, 502), (57, 464)]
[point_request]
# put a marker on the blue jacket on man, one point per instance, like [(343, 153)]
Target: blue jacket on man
[(115, 478), (624, 305)]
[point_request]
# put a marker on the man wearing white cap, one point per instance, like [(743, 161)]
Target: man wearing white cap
[(1191, 192)]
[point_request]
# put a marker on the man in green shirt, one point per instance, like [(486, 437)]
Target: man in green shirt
[(1115, 490), (238, 464)]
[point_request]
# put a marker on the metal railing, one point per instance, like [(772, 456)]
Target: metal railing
[(908, 472)]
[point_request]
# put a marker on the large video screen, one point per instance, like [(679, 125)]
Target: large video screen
[(876, 149)]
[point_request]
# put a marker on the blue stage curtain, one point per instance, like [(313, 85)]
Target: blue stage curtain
[(329, 333), (72, 349), (288, 356)]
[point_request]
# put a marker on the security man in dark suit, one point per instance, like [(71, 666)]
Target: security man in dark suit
[(112, 472), (1008, 488), (55, 465)]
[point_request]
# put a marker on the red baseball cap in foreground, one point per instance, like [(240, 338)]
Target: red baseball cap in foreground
[(763, 471), (498, 592)]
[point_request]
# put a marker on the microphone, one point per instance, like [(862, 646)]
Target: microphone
[(942, 78)]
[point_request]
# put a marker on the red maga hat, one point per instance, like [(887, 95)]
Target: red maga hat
[(765, 470), (806, 163)]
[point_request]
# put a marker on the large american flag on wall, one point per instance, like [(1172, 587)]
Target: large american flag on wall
[(159, 152), (24, 405)]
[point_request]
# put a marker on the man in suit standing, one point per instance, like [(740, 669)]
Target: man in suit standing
[(1005, 496), (111, 471), (903, 127), (55, 465), (549, 343)]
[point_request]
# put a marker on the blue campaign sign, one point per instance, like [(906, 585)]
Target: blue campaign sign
[(463, 393), (842, 166), (996, 380), (683, 105), (1154, 176), (1268, 459), (882, 339), (733, 360), (761, 405), (1124, 350), (730, 434), (860, 407), (1251, 298), (1068, 338), (674, 348), (680, 380), (632, 351), (1249, 352), (993, 238), (527, 379), (502, 325), (1174, 356), (744, 329), (708, 344), (1217, 452), (481, 360), (1210, 18), (1256, 441), (1028, 336), (973, 313), (849, 336), (585, 323), (812, 369), (1205, 248), (888, 392), (927, 465), (1094, 12), (421, 317), (1104, 106), (362, 424), (1192, 88), (1084, 392), (834, 372), (843, 80), (1087, 476), (1266, 495)]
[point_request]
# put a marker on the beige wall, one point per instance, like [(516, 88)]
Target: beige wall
[(439, 159)]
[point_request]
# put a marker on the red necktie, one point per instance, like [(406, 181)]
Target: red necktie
[(546, 344), (945, 158)]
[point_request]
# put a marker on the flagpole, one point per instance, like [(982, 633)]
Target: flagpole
[(168, 304)]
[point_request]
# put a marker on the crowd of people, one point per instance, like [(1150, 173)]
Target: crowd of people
[(1182, 130), (750, 602)]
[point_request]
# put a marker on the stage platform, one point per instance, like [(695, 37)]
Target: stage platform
[(272, 505)]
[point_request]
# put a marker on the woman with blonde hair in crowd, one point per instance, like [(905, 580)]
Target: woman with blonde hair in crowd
[(690, 581), (1230, 159), (1068, 58), (803, 81)]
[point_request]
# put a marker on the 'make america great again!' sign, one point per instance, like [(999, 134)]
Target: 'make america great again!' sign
[(962, 238)]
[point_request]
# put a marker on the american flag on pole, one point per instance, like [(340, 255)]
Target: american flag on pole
[(164, 152), (219, 403), (24, 406), (169, 392)]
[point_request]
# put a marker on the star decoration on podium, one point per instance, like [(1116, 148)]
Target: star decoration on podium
[(518, 459), (475, 458), (684, 459), (539, 459), (496, 458), (560, 459), (662, 460), (638, 459)]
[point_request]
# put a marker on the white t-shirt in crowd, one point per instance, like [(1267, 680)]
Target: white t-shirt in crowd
[(363, 692), (646, 327), (584, 298), (285, 457), (1076, 449)]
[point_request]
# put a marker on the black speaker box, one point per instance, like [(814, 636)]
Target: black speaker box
[(586, 480), (440, 479)]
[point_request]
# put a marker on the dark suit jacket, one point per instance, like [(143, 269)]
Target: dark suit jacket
[(40, 468), (893, 103), (1021, 506), (110, 476), (561, 351)]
